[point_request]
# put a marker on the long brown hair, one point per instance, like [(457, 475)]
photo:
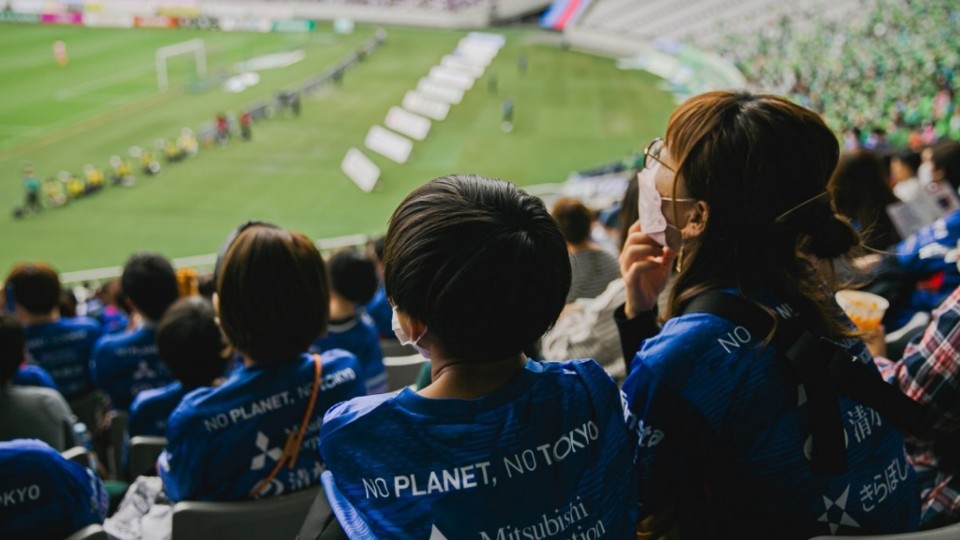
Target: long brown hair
[(761, 163)]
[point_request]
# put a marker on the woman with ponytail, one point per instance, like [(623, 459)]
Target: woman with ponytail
[(733, 200)]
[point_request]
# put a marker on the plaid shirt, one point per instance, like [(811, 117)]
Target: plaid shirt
[(930, 374)]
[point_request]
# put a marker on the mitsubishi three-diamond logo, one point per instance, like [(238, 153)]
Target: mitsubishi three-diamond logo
[(260, 460)]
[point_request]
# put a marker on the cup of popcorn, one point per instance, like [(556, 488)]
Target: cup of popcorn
[(864, 309)]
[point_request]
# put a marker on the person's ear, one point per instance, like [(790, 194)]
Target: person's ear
[(412, 325), (697, 224)]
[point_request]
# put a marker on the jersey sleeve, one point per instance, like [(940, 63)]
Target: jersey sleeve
[(180, 462)]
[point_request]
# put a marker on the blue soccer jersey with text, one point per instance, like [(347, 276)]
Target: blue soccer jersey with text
[(222, 441), (126, 364), (63, 348), (44, 495), (549, 455), (359, 336), (726, 441)]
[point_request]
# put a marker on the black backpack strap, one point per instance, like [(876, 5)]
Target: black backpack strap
[(809, 359), (826, 370)]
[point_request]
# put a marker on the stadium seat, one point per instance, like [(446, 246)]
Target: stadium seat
[(392, 347), (279, 517), (402, 370), (950, 532), (90, 532), (77, 454), (143, 455)]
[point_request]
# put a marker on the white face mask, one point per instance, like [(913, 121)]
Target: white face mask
[(652, 220), (405, 339)]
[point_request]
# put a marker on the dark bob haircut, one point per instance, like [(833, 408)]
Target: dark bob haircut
[(481, 263), (273, 294)]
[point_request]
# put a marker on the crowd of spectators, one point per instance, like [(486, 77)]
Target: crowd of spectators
[(886, 79)]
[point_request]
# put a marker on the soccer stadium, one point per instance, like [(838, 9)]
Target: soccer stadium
[(511, 269)]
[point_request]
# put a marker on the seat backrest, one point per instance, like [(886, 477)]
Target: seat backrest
[(90, 532), (402, 370), (77, 454), (143, 454), (277, 517), (950, 532)]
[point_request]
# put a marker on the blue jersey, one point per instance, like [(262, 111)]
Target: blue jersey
[(30, 375), (359, 336), (63, 348), (381, 312), (43, 495), (551, 454), (726, 439), (125, 364), (923, 253), (151, 408), (223, 441)]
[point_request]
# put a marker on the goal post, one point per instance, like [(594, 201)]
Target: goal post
[(193, 46)]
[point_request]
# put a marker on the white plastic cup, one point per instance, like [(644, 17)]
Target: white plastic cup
[(864, 309)]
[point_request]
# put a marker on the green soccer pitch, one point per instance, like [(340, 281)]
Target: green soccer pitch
[(572, 111)]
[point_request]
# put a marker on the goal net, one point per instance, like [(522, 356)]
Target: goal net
[(193, 46)]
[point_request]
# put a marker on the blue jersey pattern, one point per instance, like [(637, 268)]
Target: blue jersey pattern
[(922, 254), (359, 336), (151, 408), (63, 348), (43, 495), (30, 375), (223, 441), (725, 442), (549, 455), (125, 364), (381, 312)]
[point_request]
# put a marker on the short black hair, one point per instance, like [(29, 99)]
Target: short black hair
[(573, 218), (150, 283), (274, 295), (11, 347), (480, 262), (909, 158), (190, 342), (36, 287), (353, 276)]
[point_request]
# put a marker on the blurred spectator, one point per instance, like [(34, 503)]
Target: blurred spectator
[(29, 412), (46, 495), (256, 434), (126, 364), (379, 307), (62, 346), (193, 349), (586, 327), (593, 268), (927, 374), (353, 281), (861, 194)]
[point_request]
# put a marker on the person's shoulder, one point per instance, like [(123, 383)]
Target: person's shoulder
[(692, 342), (39, 394), (82, 323), (334, 360), (354, 410), (146, 398)]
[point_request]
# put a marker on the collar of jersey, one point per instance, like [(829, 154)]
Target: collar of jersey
[(466, 408)]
